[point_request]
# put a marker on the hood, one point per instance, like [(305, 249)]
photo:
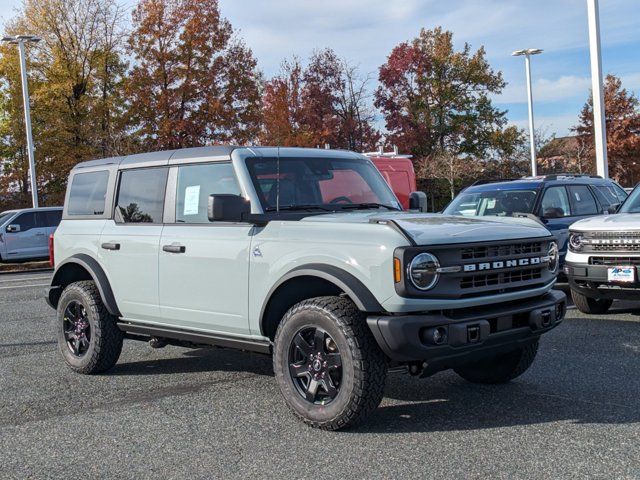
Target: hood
[(617, 222), (436, 229)]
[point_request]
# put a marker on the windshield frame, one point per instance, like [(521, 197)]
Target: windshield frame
[(626, 205), (391, 204), (482, 192)]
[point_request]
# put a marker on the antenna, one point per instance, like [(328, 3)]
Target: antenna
[(278, 181)]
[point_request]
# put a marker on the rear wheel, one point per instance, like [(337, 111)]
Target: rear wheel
[(328, 366), (500, 369), (591, 305), (88, 337)]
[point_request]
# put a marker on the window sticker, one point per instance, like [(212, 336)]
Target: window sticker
[(191, 200), (491, 203), (577, 195)]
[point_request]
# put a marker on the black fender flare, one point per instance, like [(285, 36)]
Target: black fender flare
[(97, 274), (345, 281)]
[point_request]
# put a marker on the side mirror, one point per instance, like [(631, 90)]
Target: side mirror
[(418, 201), (613, 208), (13, 228), (227, 208)]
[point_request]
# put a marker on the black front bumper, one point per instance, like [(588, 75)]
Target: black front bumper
[(449, 338), (593, 281)]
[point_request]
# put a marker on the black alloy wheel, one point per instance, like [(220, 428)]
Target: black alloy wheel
[(315, 365), (77, 330)]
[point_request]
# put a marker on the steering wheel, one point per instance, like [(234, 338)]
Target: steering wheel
[(342, 199)]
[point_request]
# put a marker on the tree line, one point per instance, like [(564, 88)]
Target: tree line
[(176, 74)]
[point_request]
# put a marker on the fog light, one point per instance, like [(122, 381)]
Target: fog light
[(435, 336)]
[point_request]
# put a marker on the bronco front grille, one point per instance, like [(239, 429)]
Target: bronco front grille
[(502, 278), (612, 242), (493, 251)]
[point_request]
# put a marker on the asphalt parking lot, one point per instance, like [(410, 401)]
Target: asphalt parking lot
[(177, 413)]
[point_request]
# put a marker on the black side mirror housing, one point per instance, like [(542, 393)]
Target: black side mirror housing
[(418, 201), (228, 208), (613, 208)]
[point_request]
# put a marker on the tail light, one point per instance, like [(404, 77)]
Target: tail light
[(51, 257)]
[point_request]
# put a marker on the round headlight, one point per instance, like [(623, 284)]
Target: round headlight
[(576, 241), (554, 257), (423, 271)]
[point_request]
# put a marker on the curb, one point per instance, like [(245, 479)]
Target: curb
[(35, 270)]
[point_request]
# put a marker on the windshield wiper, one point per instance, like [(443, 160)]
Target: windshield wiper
[(366, 206), (298, 207)]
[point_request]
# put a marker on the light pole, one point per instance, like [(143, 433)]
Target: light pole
[(20, 40), (532, 137), (599, 122)]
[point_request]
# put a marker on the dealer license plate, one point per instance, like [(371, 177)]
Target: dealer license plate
[(622, 274)]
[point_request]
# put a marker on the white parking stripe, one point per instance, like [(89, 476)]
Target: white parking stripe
[(26, 286), (13, 280)]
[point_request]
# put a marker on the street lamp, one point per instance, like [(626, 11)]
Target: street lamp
[(527, 62), (20, 40)]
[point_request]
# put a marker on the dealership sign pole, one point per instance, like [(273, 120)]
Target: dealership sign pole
[(599, 122)]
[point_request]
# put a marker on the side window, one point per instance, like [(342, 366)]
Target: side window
[(555, 203), (88, 193), (622, 195), (141, 195), (27, 221), (606, 195), (52, 217), (196, 183), (582, 201)]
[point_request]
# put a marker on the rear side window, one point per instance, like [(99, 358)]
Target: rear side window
[(582, 201), (196, 183), (607, 195), (622, 195), (141, 195), (88, 193), (51, 217)]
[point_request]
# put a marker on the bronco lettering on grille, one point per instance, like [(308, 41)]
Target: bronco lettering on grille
[(520, 262)]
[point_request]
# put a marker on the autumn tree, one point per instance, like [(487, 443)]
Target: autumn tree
[(192, 82), (436, 100), (324, 103), (622, 117)]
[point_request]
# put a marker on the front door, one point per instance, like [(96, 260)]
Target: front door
[(31, 241), (204, 266)]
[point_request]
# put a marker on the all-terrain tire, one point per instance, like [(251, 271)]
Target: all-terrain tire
[(363, 364), (500, 369), (106, 339), (591, 305)]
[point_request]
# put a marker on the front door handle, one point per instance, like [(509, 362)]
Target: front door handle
[(174, 248), (111, 246)]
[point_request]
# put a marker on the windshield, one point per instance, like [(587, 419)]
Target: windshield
[(632, 203), (320, 183), (4, 216), (502, 203)]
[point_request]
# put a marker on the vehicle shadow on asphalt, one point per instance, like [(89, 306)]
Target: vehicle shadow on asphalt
[(199, 360)]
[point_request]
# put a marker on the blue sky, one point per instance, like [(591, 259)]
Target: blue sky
[(365, 31)]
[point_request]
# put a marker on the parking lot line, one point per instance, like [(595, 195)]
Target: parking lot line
[(26, 286)]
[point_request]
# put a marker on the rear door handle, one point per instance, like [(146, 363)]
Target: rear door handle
[(174, 248), (111, 246)]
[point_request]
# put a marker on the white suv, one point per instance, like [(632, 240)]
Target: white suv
[(604, 256), (301, 253)]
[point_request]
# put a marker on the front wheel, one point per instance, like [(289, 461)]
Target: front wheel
[(500, 369), (591, 305), (328, 366)]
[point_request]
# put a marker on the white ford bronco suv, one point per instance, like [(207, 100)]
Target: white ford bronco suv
[(604, 257), (304, 254)]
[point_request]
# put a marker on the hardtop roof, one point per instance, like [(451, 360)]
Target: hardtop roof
[(218, 152)]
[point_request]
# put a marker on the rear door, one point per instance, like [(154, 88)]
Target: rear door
[(203, 266), (129, 242)]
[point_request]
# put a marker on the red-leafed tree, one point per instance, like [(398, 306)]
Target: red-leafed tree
[(436, 100), (622, 117), (193, 83), (323, 103)]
